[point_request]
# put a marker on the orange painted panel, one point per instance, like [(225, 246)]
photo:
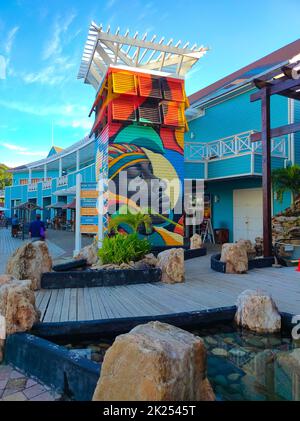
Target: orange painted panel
[(89, 212), (89, 229), (89, 194), (173, 114), (123, 109)]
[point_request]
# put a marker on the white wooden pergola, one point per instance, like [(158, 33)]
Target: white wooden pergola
[(104, 48)]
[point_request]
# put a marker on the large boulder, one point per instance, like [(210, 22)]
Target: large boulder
[(195, 242), (154, 362), (258, 312), (30, 261), (5, 279), (17, 305), (171, 263), (235, 257), (259, 246), (89, 253), (250, 249)]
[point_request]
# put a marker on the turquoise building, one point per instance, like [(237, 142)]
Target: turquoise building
[(218, 149)]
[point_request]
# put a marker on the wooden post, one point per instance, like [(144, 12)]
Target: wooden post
[(78, 208), (266, 171)]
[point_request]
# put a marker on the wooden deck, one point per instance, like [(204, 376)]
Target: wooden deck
[(8, 245), (203, 289)]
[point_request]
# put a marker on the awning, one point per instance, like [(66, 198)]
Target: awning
[(57, 205), (65, 192), (71, 205), (3, 209), (27, 206)]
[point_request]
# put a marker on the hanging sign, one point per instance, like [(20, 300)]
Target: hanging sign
[(88, 208)]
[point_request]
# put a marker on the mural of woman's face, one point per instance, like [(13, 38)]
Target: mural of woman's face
[(141, 176)]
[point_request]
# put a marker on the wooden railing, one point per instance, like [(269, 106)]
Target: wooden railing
[(237, 144)]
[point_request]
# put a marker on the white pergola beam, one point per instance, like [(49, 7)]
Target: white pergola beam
[(105, 48)]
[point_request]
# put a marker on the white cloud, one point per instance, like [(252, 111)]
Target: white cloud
[(46, 76), (3, 65), (17, 160), (19, 151), (10, 39), (80, 123), (13, 147), (67, 110), (51, 75), (42, 154), (54, 45), (110, 4)]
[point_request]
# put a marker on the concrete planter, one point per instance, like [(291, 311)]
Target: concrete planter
[(99, 278), (261, 262)]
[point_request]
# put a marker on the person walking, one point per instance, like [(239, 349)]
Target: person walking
[(14, 225), (37, 230)]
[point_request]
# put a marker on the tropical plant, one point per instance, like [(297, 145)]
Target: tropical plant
[(5, 177), (133, 220), (123, 249), (287, 179)]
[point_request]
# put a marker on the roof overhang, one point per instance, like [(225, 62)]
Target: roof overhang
[(65, 192), (68, 156), (104, 48)]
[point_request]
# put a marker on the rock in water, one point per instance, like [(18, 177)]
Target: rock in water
[(171, 263), (89, 253), (17, 305), (287, 374), (155, 362), (195, 242), (258, 312), (235, 257), (30, 261)]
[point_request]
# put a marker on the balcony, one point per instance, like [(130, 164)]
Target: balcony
[(62, 181), (231, 146), (232, 156), (32, 187), (47, 185)]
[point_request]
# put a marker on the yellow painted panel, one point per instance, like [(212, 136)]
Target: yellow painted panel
[(124, 83)]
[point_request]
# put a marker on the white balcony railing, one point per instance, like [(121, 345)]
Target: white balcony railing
[(232, 145), (47, 185), (62, 181), (32, 187)]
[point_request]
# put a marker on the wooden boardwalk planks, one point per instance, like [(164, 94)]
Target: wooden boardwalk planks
[(203, 289)]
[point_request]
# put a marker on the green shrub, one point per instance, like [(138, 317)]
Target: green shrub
[(133, 220), (123, 249)]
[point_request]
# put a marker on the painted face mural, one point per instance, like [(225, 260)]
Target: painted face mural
[(152, 166), (140, 149)]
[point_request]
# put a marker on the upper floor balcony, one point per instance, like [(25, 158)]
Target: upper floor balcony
[(232, 146), (232, 156), (59, 186)]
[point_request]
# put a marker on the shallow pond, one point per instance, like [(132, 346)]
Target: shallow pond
[(241, 365)]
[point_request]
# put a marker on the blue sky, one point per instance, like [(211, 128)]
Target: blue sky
[(41, 43)]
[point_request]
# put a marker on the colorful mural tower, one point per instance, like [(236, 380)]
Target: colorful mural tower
[(139, 127)]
